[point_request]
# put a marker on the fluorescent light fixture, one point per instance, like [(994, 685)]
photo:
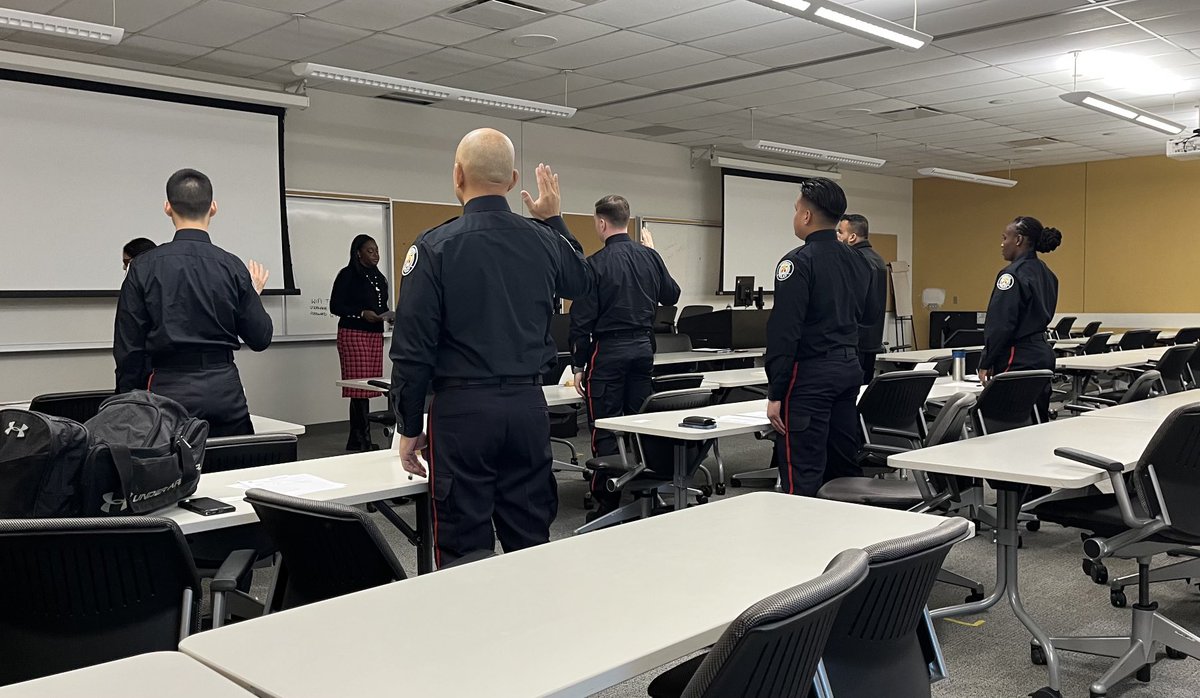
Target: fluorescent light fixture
[(967, 177), (60, 26), (864, 24), (428, 90), (1121, 110), (807, 153), (769, 168)]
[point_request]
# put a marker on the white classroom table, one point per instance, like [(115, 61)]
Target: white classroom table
[(152, 675), (555, 394), (1155, 409), (920, 356), (262, 425), (1012, 459), (495, 627), (691, 357), (1109, 360)]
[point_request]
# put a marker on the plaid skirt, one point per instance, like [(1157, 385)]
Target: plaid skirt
[(361, 354)]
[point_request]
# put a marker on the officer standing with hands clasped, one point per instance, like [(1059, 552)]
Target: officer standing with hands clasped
[(612, 329), (1023, 302), (813, 373), (473, 320)]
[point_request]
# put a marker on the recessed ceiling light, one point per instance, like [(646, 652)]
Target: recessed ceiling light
[(999, 101), (535, 40), (858, 111)]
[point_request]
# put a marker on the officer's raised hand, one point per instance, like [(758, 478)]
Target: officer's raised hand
[(410, 446), (258, 275), (775, 414), (549, 202)]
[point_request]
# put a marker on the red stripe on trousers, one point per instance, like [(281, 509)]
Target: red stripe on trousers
[(588, 389), (1012, 354), (787, 443), (437, 551)]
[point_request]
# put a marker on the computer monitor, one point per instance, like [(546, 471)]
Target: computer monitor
[(743, 291)]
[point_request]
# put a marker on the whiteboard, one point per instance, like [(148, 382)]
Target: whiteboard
[(321, 230), (692, 253), (901, 289), (758, 229)]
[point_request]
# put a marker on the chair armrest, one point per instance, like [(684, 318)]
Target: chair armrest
[(233, 568), (1115, 476), (383, 385), (887, 431), (755, 389), (1080, 408), (884, 449), (1091, 459), (1098, 401)]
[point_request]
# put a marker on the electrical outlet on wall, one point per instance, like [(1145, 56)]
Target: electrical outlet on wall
[(956, 300)]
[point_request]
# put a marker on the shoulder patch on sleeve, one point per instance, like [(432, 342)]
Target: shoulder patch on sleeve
[(783, 272), (1005, 281), (410, 261)]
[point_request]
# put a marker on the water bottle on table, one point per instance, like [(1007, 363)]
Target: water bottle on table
[(958, 365)]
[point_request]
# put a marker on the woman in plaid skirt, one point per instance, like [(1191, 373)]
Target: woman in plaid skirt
[(360, 299)]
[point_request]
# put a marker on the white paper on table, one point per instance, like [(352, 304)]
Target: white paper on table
[(295, 485), (760, 416), (926, 366), (741, 419)]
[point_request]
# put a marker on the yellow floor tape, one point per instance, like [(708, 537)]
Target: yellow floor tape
[(976, 624)]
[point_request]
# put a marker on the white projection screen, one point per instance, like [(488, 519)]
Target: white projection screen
[(757, 229), (84, 171)]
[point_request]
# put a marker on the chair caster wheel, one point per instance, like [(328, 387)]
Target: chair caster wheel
[(1037, 655), (974, 597), (706, 492), (1143, 674), (1045, 692), (1033, 526), (1093, 694), (1099, 573), (1020, 542), (701, 499), (720, 488), (588, 502), (1117, 598), (1087, 566), (1175, 654)]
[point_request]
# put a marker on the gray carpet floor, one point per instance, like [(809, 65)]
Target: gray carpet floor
[(988, 655)]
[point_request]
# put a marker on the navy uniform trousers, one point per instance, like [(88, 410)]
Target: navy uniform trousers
[(213, 393), (617, 382), (1031, 354), (821, 415), (490, 466)]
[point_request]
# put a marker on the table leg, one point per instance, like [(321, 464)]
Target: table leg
[(679, 475), (422, 535)]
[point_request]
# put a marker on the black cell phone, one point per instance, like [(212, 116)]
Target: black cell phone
[(699, 423), (206, 506)]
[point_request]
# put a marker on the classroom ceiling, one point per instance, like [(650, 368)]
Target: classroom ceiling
[(689, 71)]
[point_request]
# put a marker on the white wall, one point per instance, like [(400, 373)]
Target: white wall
[(358, 145)]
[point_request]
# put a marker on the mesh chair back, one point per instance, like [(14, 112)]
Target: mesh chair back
[(1187, 335), (1096, 344), (1091, 328), (658, 453), (667, 343), (1063, 329), (1141, 388), (690, 310), (948, 427), (875, 648), (773, 647), (80, 406), (1194, 368), (893, 401), (328, 549), (222, 453), (681, 381), (1138, 339), (1173, 365), (78, 592), (664, 318), (1008, 401), (1168, 473)]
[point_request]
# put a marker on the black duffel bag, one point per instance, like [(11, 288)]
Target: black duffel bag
[(41, 459)]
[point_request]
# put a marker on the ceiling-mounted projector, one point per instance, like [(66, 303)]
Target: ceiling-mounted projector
[(1185, 148)]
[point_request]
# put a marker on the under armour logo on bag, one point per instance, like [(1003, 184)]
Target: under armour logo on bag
[(12, 426), (110, 502)]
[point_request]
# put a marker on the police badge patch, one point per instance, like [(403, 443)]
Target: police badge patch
[(410, 261), (784, 271), (1004, 283)]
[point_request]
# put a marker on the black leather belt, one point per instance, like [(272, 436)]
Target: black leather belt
[(623, 334), (838, 353), (193, 359), (446, 383)]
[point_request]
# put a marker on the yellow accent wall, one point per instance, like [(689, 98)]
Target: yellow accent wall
[(1129, 244)]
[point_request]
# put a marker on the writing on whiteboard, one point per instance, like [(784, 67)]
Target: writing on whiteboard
[(318, 307)]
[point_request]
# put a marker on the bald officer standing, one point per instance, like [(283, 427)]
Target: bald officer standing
[(473, 321)]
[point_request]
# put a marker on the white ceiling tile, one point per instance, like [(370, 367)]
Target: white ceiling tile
[(132, 15), (759, 83), (659, 61), (598, 50), (781, 95), (689, 111), (439, 64), (1152, 9), (1189, 41), (43, 6), (910, 72), (814, 103), (288, 6), (494, 77), (568, 30), (1023, 32), (603, 94), (554, 86), (380, 15), (631, 13), (440, 30), (812, 50), (647, 104), (1061, 45), (373, 52), (151, 50), (614, 125), (780, 32), (296, 40), (982, 91), (711, 21), (987, 12), (555, 5), (224, 62), (696, 74), (968, 77), (873, 62), (216, 23)]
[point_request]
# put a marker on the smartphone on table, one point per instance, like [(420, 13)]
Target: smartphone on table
[(206, 506)]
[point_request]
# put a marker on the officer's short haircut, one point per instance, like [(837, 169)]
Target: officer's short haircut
[(825, 197), (858, 223), (614, 209), (190, 194)]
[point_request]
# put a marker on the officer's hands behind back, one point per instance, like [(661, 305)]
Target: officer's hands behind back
[(549, 202)]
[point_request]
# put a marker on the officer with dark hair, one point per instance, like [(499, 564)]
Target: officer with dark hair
[(1023, 302), (182, 309), (854, 230), (473, 320), (813, 373), (612, 328)]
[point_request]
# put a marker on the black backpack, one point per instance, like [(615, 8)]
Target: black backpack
[(146, 453), (41, 458)]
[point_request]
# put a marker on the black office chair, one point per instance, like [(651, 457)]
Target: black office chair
[(1141, 388), (1009, 401), (1063, 329), (1089, 329), (774, 647), (1095, 344), (82, 591), (222, 453), (883, 642), (1137, 339), (670, 343), (890, 413), (648, 469), (690, 310), (1172, 368), (664, 319), (1162, 517), (963, 338), (327, 549), (681, 381), (80, 406), (1187, 335), (1194, 370)]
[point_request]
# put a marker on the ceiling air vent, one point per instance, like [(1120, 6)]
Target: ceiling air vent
[(407, 99), (909, 114), (495, 14)]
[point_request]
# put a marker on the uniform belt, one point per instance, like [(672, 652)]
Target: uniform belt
[(193, 359), (446, 383), (837, 353), (623, 334)]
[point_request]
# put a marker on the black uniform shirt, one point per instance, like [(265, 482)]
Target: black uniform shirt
[(1022, 305), (870, 334), (185, 296), (820, 298), (631, 280), (356, 290), (476, 299)]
